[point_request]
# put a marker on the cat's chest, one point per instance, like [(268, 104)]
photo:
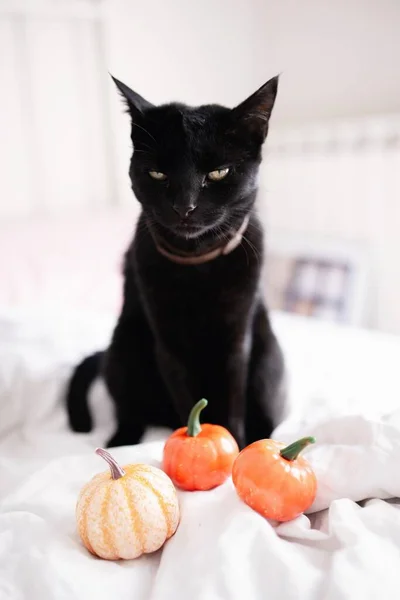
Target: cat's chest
[(199, 310), (200, 293)]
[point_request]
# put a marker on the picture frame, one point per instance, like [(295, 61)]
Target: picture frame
[(322, 278)]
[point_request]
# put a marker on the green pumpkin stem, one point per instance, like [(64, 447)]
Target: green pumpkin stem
[(194, 427), (116, 471), (292, 451)]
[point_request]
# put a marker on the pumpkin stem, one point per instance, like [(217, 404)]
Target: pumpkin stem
[(292, 451), (194, 427), (116, 471)]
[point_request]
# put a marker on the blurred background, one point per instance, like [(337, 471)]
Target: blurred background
[(330, 185)]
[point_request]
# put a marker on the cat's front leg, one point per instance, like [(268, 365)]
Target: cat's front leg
[(180, 383), (235, 383), (266, 393)]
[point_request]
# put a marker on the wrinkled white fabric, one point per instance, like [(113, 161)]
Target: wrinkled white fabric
[(343, 390)]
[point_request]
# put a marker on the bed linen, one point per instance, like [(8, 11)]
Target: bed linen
[(343, 388)]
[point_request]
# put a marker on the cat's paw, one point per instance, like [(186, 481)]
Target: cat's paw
[(126, 437)]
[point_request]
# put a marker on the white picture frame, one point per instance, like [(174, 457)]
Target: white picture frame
[(292, 251)]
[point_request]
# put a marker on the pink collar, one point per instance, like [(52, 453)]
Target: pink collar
[(198, 259)]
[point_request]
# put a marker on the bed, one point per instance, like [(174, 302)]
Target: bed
[(343, 389), (59, 296)]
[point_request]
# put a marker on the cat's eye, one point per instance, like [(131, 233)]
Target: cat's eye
[(157, 175), (218, 174)]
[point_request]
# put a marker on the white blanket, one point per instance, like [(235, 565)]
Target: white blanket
[(344, 390)]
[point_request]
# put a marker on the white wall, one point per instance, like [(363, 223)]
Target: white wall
[(64, 140), (54, 142), (336, 187), (337, 59)]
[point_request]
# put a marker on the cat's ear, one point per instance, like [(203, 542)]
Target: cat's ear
[(255, 111), (135, 103)]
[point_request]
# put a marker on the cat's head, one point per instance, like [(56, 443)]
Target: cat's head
[(195, 169)]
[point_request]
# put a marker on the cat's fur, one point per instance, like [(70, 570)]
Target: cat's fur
[(187, 332)]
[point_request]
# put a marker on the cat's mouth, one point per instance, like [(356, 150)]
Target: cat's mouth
[(188, 229)]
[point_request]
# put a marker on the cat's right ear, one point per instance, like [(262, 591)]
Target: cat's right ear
[(135, 103)]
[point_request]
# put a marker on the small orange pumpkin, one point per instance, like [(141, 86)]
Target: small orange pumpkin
[(274, 480), (199, 457), (126, 512)]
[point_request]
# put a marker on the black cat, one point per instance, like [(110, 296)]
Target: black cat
[(193, 322)]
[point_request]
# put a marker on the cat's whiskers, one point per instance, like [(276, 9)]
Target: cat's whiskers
[(257, 227), (151, 148), (253, 248), (229, 224), (145, 130), (219, 231), (142, 227), (141, 151)]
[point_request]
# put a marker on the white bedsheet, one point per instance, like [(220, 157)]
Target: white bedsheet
[(344, 389)]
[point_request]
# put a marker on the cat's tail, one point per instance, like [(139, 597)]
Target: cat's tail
[(79, 416)]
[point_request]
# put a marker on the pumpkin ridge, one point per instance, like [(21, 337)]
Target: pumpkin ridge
[(105, 529), (160, 501), (137, 523), (83, 528)]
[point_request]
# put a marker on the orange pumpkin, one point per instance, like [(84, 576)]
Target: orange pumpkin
[(125, 512), (199, 457), (274, 480)]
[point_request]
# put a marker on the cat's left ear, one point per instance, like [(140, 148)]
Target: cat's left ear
[(136, 104), (255, 111)]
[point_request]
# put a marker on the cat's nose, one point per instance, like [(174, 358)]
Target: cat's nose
[(184, 211)]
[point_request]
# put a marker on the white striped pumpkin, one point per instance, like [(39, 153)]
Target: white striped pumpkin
[(126, 512)]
